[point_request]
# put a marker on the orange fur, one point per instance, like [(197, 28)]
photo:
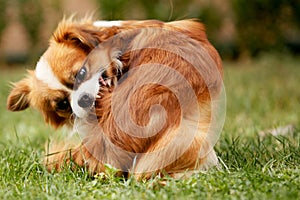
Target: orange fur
[(69, 47)]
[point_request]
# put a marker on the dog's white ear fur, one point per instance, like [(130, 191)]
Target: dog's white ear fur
[(18, 98)]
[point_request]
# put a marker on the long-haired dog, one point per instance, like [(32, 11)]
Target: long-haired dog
[(143, 94)]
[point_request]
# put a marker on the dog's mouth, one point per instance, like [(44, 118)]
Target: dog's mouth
[(102, 81), (104, 84), (105, 80)]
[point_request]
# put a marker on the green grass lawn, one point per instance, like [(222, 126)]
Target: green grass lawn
[(261, 95)]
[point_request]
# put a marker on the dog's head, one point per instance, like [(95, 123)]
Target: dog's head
[(48, 87)]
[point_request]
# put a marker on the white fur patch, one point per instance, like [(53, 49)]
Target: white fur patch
[(90, 86), (107, 23), (44, 73)]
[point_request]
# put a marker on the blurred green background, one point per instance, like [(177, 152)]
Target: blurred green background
[(259, 41), (238, 28)]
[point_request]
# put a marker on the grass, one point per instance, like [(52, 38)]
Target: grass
[(261, 95)]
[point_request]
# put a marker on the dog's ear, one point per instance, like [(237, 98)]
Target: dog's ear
[(18, 98), (84, 36), (78, 37)]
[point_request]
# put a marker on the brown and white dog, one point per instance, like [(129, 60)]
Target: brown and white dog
[(121, 83)]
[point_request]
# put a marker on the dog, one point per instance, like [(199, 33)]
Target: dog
[(89, 71)]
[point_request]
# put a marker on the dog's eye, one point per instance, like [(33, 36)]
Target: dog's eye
[(63, 105), (81, 74)]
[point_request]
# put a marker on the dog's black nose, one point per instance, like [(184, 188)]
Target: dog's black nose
[(86, 100)]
